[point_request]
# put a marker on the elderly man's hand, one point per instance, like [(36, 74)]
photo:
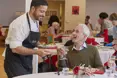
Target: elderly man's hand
[(60, 51)]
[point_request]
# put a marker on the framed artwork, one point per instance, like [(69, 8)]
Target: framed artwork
[(51, 12), (75, 10)]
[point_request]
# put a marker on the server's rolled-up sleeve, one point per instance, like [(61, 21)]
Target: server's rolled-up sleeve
[(17, 35)]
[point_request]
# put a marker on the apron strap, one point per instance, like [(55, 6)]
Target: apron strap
[(29, 22)]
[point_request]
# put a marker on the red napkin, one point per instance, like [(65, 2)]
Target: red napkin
[(115, 53), (94, 42), (99, 72), (54, 60), (59, 36), (105, 35), (76, 70), (89, 40), (106, 64)]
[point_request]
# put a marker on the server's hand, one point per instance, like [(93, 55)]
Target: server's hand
[(42, 52)]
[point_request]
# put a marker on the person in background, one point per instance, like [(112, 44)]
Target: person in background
[(52, 19), (82, 53), (88, 22), (105, 24), (98, 25), (2, 30), (113, 18), (22, 38), (51, 30)]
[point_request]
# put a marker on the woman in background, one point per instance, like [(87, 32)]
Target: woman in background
[(52, 19), (51, 30)]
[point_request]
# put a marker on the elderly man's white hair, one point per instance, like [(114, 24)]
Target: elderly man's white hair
[(85, 29)]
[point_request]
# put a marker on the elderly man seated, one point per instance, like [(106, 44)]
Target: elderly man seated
[(82, 53)]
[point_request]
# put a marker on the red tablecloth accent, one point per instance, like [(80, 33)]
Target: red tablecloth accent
[(105, 35), (91, 41), (94, 42), (106, 64), (54, 60), (59, 36)]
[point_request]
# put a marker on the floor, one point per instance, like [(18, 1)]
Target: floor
[(2, 73)]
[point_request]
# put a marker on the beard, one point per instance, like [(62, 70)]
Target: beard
[(38, 17), (35, 16)]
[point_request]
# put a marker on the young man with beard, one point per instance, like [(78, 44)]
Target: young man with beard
[(22, 37), (82, 53)]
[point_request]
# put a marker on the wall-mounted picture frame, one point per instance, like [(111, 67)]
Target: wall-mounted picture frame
[(51, 12), (75, 10)]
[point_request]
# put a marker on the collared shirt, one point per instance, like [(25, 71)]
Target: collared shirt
[(81, 48), (19, 30), (115, 32), (108, 25)]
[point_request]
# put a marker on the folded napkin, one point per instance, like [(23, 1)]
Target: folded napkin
[(99, 72), (105, 35), (91, 41)]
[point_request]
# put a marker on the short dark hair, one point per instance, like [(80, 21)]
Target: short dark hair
[(87, 17), (103, 15), (52, 19), (36, 3), (113, 16)]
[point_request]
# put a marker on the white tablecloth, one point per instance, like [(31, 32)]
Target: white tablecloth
[(53, 75), (105, 53)]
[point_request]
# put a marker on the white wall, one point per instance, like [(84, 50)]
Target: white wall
[(94, 7), (27, 5), (72, 20), (8, 9)]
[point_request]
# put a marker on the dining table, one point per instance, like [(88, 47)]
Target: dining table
[(55, 75), (105, 53)]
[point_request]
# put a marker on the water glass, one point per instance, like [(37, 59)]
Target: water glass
[(65, 71), (108, 72)]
